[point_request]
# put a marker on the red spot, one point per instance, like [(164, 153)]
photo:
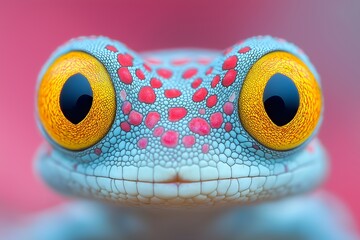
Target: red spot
[(228, 108), (209, 71), (216, 120), (228, 127), (172, 93), (126, 107), (155, 83), (200, 95), (176, 114), (123, 95), (97, 151), (125, 75), (310, 148), (158, 131), (199, 126), (204, 61), (244, 50), (165, 73), (48, 149), (170, 139), (125, 60), (211, 101), (215, 81), (190, 73), (147, 67), (142, 143), (147, 95), (152, 119), (76, 165), (202, 111), (153, 61), (188, 141), (111, 48), (229, 77), (140, 74), (125, 126), (135, 118), (255, 146), (182, 61), (196, 83), (230, 63), (205, 148)]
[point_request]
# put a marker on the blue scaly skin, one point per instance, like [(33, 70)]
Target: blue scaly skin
[(177, 142), (235, 169)]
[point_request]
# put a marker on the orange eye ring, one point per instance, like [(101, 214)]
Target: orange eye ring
[(98, 120), (254, 116)]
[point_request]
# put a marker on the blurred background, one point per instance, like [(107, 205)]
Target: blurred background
[(328, 31)]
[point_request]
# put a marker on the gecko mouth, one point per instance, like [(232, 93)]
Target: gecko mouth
[(177, 179), (187, 184)]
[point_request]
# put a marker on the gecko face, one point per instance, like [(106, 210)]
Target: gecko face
[(180, 127)]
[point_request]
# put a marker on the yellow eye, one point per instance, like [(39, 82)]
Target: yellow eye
[(280, 101), (76, 101)]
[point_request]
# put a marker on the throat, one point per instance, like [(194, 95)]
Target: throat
[(172, 223)]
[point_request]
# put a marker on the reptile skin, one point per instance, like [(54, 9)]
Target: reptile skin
[(164, 146), (177, 142)]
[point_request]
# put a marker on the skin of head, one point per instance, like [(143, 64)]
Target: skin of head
[(176, 138)]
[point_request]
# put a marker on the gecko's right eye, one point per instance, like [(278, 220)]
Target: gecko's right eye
[(280, 101), (76, 101)]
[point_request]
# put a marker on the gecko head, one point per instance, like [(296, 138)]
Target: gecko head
[(180, 127)]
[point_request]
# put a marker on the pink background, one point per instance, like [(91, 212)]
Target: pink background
[(328, 31)]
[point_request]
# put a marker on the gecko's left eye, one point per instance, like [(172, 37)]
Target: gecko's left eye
[(280, 101), (76, 101)]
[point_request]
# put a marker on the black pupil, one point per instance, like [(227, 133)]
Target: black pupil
[(76, 98), (281, 99)]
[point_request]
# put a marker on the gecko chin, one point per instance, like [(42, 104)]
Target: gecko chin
[(220, 184)]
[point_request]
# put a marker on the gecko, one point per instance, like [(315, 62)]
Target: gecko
[(184, 143)]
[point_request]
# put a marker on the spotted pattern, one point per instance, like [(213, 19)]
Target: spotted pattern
[(177, 137)]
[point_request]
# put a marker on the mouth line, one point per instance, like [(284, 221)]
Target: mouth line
[(178, 180)]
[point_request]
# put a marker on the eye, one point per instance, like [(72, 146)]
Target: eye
[(76, 101), (280, 101)]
